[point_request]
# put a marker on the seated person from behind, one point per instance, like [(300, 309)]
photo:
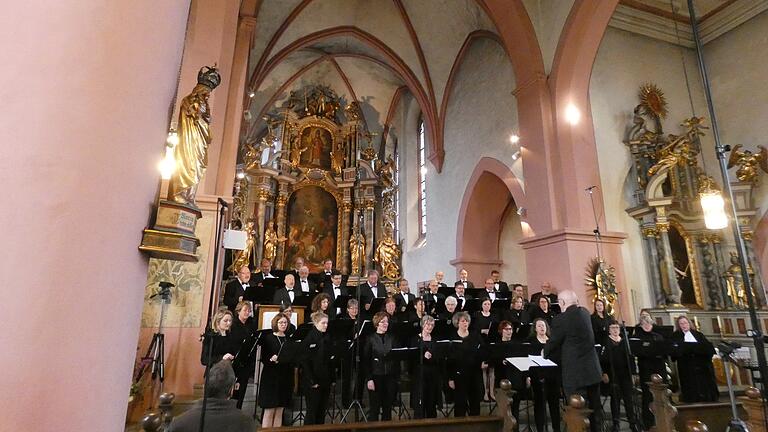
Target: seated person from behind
[(221, 413)]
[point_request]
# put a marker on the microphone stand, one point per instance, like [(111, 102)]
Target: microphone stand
[(221, 207), (624, 336)]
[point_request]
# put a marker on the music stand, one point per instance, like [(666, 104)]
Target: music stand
[(399, 355), (362, 328), (339, 333), (500, 304), (252, 353)]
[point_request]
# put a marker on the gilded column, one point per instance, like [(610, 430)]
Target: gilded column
[(667, 266), (261, 212), (343, 265), (280, 223), (721, 267), (651, 235), (368, 224)]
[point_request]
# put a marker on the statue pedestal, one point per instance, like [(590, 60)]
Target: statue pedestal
[(172, 236)]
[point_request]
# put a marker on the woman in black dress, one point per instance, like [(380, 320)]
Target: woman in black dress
[(464, 368), (600, 321), (518, 317), (426, 376), (380, 370), (542, 310), (650, 360), (317, 369), (693, 353), (276, 384), (224, 346), (505, 370), (243, 328), (483, 321), (617, 373), (546, 385)]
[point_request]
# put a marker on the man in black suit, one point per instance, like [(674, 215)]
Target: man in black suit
[(546, 291), (371, 289), (461, 298), (265, 273), (439, 276), (298, 263), (235, 290), (326, 272), (463, 274), (306, 286), (500, 285), (287, 295), (573, 338), (335, 289), (432, 299), (490, 291), (404, 299)]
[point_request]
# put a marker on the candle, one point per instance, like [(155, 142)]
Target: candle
[(696, 323), (719, 325)]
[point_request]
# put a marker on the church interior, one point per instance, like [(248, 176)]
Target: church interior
[(608, 148)]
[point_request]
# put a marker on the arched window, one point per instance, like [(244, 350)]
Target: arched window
[(422, 159)]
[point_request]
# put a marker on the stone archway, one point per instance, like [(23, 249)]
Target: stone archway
[(491, 191)]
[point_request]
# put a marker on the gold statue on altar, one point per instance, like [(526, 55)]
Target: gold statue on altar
[(387, 253), (681, 150), (337, 159), (191, 153), (357, 251), (748, 163), (734, 282), (243, 257), (271, 240)]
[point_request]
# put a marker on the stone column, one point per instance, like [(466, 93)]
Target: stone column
[(343, 265), (280, 225), (669, 280), (710, 272), (651, 235), (261, 214)]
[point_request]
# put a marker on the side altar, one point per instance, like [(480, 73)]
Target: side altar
[(313, 186)]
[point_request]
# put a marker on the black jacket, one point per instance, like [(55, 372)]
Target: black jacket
[(433, 303), (233, 290), (221, 415), (572, 335), (402, 307), (316, 363), (376, 356), (282, 297), (366, 293)]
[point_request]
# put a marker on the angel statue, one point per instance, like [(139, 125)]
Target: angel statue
[(297, 149), (387, 253), (748, 163), (243, 257), (271, 240), (191, 153), (386, 172)]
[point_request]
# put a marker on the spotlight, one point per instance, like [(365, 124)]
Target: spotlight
[(173, 138), (516, 155), (251, 94), (514, 138), (572, 114), (522, 212), (240, 175)]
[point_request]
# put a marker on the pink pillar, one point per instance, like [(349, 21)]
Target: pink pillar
[(87, 91)]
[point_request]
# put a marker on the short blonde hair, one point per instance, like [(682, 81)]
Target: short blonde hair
[(241, 305), (458, 317), (317, 317)]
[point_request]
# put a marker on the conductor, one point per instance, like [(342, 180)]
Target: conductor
[(573, 338)]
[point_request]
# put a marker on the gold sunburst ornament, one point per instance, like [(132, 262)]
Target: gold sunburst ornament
[(600, 277), (653, 101)]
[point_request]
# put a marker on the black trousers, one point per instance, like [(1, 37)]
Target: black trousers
[(621, 390), (383, 397), (317, 403), (428, 390), (468, 392), (592, 395), (243, 374), (546, 393)]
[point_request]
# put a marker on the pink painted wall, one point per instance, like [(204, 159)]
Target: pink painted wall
[(86, 90)]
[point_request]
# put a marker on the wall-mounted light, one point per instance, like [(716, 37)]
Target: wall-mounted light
[(423, 170), (514, 138), (167, 165), (572, 114), (240, 175), (516, 155), (522, 212), (251, 94)]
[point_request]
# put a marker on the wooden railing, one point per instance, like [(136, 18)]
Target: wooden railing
[(157, 422)]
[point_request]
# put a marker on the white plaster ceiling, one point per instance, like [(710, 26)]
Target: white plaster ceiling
[(440, 27)]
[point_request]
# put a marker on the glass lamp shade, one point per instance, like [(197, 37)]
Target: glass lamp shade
[(713, 205)]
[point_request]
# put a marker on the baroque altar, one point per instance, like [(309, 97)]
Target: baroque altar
[(313, 186), (689, 265)]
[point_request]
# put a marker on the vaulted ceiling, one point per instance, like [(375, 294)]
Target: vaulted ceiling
[(366, 50)]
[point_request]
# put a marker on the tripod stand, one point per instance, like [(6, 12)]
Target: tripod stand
[(736, 424), (155, 355)]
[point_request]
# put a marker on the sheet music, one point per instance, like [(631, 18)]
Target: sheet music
[(521, 363), (541, 361)]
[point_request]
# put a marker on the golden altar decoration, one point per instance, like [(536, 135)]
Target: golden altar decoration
[(316, 178), (172, 233), (686, 261)]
